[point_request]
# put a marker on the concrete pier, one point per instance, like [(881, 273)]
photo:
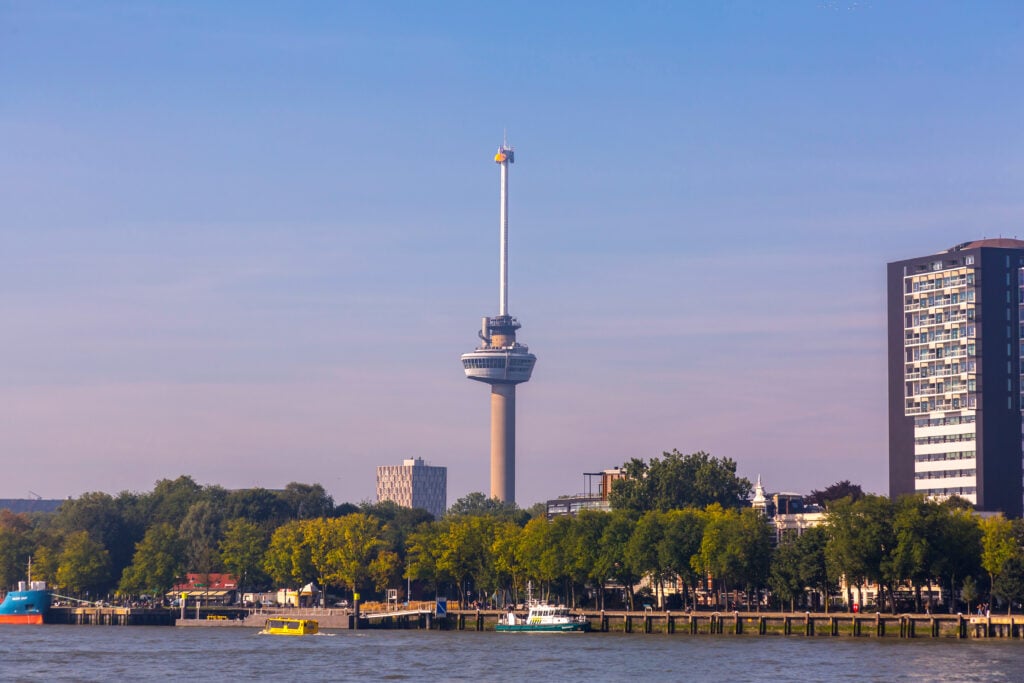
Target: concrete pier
[(109, 616)]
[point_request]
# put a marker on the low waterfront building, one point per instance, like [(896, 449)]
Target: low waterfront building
[(596, 487), (307, 596), (20, 505), (207, 589), (788, 513)]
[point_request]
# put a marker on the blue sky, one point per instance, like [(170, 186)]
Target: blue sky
[(248, 242)]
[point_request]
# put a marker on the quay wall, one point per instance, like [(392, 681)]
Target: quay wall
[(735, 624), (745, 624)]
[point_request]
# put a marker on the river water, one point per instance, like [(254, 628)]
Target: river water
[(111, 653)]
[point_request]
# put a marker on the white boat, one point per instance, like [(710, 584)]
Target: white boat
[(543, 618)]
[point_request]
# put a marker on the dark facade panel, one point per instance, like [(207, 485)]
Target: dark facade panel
[(998, 418), (901, 427)]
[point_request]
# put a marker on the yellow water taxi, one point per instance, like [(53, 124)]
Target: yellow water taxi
[(291, 627)]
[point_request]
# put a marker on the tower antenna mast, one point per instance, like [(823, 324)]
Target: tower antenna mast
[(500, 360)]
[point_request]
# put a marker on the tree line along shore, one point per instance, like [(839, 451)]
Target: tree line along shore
[(680, 534)]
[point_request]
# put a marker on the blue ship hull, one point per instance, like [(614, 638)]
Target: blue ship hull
[(25, 607)]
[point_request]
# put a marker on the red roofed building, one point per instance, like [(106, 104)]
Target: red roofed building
[(210, 589)]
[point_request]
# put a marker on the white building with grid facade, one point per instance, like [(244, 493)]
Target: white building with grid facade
[(414, 484)]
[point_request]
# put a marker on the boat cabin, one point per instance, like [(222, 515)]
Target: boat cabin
[(291, 627)]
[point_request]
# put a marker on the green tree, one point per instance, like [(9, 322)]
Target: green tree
[(349, 550), (588, 561), (958, 547), (84, 565), (861, 542), (422, 549), (969, 591), (543, 551), (382, 569), (677, 481), (398, 523), (812, 544), (241, 551), (158, 561), (268, 509), (170, 500), (642, 550), (798, 564), (735, 549), (287, 559), (683, 531), (201, 531), (359, 547), (45, 561), (307, 501), (1009, 582), (477, 504), (323, 538), (15, 548), (914, 555), (612, 559), (463, 553), (506, 551), (785, 577), (537, 510), (104, 519), (999, 547), (837, 491)]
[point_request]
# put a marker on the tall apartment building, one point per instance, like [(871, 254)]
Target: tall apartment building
[(955, 347), (414, 485)]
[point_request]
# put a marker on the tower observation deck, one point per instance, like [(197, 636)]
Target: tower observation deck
[(501, 361)]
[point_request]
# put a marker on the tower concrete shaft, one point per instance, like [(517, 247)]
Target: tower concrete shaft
[(503, 442)]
